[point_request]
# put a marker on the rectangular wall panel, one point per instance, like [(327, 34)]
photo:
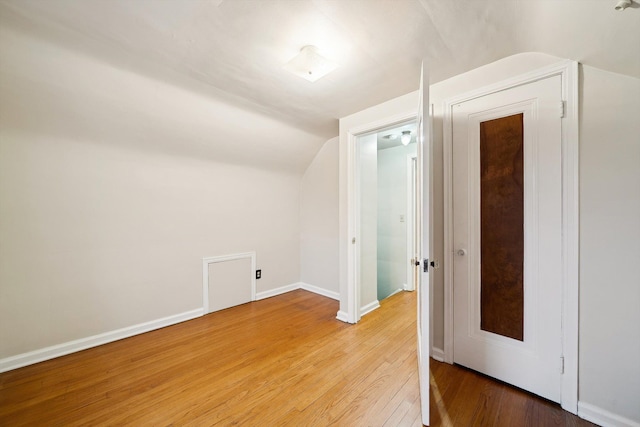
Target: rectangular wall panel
[(228, 280)]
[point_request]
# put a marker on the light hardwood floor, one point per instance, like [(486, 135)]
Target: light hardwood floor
[(281, 361)]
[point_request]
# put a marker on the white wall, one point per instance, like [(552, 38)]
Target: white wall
[(368, 184), (113, 186), (392, 232), (319, 220), (610, 242)]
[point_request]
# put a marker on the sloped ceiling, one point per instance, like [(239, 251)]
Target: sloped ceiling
[(238, 47)]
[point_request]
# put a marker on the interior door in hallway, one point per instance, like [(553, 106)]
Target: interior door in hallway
[(423, 235), (507, 213)]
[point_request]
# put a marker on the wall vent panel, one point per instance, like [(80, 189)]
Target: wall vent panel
[(228, 280)]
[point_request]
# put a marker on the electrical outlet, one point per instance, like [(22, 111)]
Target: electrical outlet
[(258, 274)]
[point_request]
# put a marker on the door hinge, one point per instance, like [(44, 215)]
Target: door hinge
[(561, 364), (563, 108)]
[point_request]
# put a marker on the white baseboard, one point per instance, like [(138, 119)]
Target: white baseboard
[(277, 291), (396, 291), (366, 309), (437, 354), (24, 359), (320, 291), (603, 417), (342, 316), (299, 285)]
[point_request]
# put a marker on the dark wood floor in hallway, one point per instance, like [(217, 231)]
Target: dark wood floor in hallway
[(281, 361)]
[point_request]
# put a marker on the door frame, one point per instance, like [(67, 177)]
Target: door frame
[(353, 312), (410, 219), (568, 71)]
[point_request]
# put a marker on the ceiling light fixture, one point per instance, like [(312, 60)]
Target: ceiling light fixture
[(623, 4), (406, 137), (310, 65)]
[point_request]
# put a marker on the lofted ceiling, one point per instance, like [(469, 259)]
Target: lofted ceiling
[(238, 47)]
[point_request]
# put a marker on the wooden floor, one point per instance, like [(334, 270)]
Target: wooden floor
[(281, 361)]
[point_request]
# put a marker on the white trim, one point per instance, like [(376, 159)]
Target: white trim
[(393, 120), (447, 188), (603, 417), (320, 291), (24, 359), (36, 356), (298, 285), (437, 354), (366, 309), (232, 257), (353, 208), (410, 219), (397, 291), (277, 291), (342, 316), (568, 71), (570, 236), (431, 223)]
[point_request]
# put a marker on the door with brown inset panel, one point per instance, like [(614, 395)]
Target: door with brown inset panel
[(507, 202)]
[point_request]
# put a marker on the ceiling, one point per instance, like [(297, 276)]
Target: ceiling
[(237, 48), (390, 138)]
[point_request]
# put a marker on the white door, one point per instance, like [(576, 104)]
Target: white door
[(507, 236), (423, 235)]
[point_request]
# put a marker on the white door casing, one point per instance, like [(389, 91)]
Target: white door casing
[(567, 71), (411, 222), (367, 223), (351, 237)]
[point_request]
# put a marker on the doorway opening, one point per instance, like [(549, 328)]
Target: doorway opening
[(386, 174)]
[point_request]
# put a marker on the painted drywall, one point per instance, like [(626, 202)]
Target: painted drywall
[(392, 218), (173, 113), (609, 365), (114, 186), (368, 220), (319, 220)]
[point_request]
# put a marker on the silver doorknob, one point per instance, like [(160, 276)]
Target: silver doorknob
[(462, 252)]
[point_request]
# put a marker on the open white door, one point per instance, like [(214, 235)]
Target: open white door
[(423, 235)]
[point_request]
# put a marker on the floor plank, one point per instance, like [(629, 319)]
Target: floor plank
[(281, 361)]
